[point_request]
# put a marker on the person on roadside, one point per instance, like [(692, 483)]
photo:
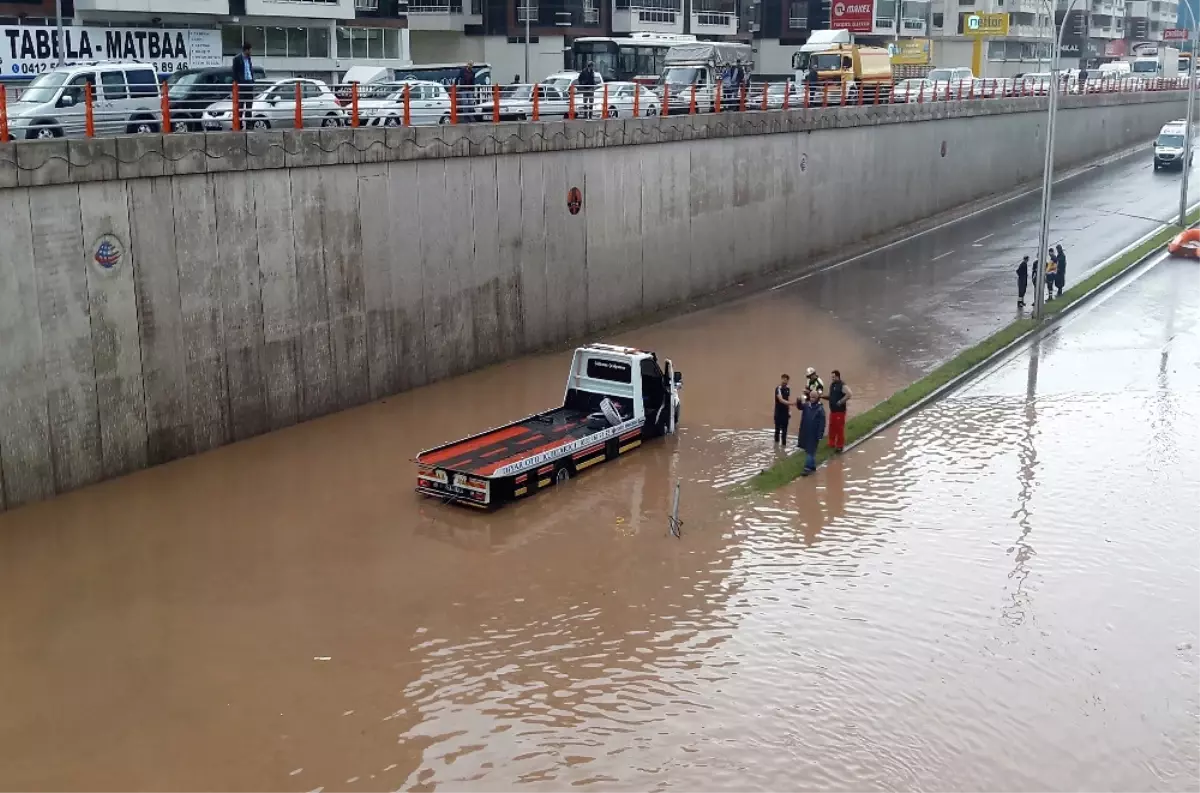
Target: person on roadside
[(812, 429), (1060, 270), (466, 88), (1022, 281), (1051, 277), (242, 72), (587, 87), (839, 395), (783, 408), (813, 383)]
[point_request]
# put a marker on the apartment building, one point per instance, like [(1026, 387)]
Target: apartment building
[(779, 27)]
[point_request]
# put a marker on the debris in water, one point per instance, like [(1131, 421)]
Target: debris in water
[(348, 713), (297, 771), (322, 657)]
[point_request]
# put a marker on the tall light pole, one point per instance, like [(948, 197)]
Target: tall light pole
[(527, 43), (1187, 127), (1048, 170), (58, 31)]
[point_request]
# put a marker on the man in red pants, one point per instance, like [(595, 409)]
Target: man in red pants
[(839, 395)]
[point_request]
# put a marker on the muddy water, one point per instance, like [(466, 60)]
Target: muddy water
[(1001, 593)]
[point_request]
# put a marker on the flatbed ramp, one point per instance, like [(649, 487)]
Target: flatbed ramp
[(483, 454)]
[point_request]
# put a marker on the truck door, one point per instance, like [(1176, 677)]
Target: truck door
[(653, 392)]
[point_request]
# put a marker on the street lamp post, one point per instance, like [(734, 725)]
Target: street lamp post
[(527, 42), (58, 31), (1048, 170), (1187, 127)]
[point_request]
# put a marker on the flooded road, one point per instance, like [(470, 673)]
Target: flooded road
[(1001, 593)]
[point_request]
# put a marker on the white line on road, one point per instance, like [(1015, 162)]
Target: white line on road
[(986, 237), (942, 255)]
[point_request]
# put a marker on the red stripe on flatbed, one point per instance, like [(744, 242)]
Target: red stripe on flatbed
[(460, 449)]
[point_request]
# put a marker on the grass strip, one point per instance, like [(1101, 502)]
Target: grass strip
[(870, 422)]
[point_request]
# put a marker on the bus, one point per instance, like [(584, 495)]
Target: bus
[(637, 57)]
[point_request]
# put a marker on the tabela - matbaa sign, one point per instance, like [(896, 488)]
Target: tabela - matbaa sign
[(987, 25), (29, 50)]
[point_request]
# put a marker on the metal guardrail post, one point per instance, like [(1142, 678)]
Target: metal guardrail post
[(496, 103), (89, 115), (3, 114), (407, 105), (571, 102), (354, 105), (299, 119), (637, 95), (237, 109), (718, 90), (165, 103), (453, 104)]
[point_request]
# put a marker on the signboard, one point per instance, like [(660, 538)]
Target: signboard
[(853, 15), (1175, 34), (985, 25), (910, 52), (28, 50), (1116, 48)]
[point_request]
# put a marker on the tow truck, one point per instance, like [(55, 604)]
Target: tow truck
[(616, 398)]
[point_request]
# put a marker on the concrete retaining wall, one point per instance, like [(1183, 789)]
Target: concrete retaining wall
[(270, 278)]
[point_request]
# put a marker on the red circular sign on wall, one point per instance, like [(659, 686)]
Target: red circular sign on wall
[(574, 200)]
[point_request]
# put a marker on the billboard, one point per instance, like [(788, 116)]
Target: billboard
[(27, 50), (856, 16), (1175, 34), (910, 52)]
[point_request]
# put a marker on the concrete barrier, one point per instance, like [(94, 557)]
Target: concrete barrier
[(162, 295)]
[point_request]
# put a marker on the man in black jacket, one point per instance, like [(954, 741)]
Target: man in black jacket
[(243, 78), (466, 89), (587, 85)]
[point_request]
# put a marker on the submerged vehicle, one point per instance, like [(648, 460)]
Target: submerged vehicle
[(615, 398)]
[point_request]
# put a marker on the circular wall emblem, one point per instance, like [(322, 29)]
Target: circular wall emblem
[(107, 253), (839, 9), (574, 200)]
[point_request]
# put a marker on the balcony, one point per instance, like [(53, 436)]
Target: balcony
[(304, 9), (648, 16), (714, 18), (153, 6), (448, 15)]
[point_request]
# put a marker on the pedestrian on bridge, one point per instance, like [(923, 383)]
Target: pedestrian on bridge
[(1022, 281), (812, 429)]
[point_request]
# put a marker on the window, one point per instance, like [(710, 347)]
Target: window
[(614, 371), (358, 44), (231, 39), (938, 19), (318, 42), (297, 42), (391, 44), (256, 37), (114, 85), (276, 45), (310, 91), (142, 82), (374, 41), (74, 88), (343, 42)]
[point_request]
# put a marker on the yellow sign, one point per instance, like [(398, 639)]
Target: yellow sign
[(910, 52), (985, 25)]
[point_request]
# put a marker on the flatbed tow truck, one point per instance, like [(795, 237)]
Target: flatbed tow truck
[(615, 398)]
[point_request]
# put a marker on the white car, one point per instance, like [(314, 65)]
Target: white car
[(951, 83), (516, 104), (276, 107), (428, 103), (913, 89), (620, 100)]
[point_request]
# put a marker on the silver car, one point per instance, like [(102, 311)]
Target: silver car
[(620, 100), (516, 104), (275, 107), (125, 101), (428, 103)]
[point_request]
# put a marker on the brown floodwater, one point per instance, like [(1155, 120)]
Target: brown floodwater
[(1002, 592)]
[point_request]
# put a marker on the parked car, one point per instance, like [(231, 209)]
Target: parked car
[(124, 101), (952, 82), (620, 100), (518, 105), (994, 87), (914, 89), (276, 107), (190, 91), (428, 103)]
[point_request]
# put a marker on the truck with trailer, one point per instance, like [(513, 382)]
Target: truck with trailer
[(615, 398)]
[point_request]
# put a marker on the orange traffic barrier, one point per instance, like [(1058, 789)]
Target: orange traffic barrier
[(536, 96), (604, 100), (299, 120), (237, 110), (764, 99), (666, 107), (971, 94), (453, 104), (825, 95), (637, 95), (742, 99), (407, 105), (921, 94), (3, 114), (354, 104), (495, 103), (571, 102), (787, 90), (1186, 243), (692, 102), (807, 98), (165, 104), (717, 97), (89, 118)]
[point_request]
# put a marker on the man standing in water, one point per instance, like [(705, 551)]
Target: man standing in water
[(839, 395), (783, 408), (812, 429), (1022, 281)]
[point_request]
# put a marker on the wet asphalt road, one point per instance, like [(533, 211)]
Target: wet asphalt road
[(926, 299)]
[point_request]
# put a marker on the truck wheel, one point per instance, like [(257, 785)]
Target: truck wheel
[(562, 475)]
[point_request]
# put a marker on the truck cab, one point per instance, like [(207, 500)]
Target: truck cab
[(615, 398), (696, 68), (831, 66)]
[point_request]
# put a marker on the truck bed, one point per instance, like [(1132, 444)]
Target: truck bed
[(482, 454)]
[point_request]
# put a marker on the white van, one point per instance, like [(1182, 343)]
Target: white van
[(1169, 146), (125, 101)]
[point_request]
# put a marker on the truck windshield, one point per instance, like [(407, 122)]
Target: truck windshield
[(821, 62), (1145, 67), (1170, 141), (682, 75), (940, 76)]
